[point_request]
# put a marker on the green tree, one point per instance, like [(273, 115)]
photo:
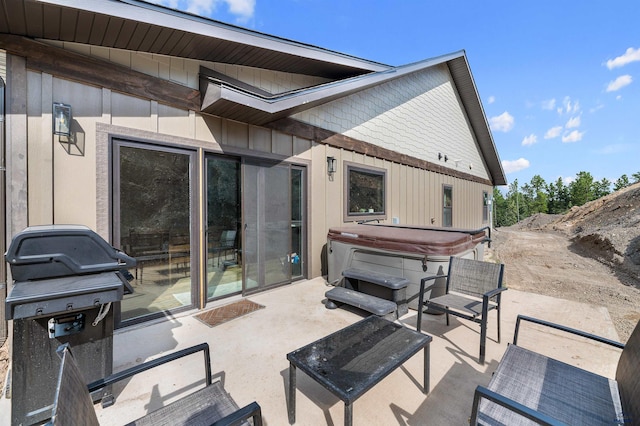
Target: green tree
[(636, 177), (540, 196), (516, 203), (581, 189), (501, 216), (558, 201), (622, 182), (601, 188)]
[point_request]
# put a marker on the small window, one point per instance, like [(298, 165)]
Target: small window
[(447, 205), (365, 193), (485, 207)]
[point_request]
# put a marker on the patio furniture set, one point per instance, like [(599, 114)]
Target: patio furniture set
[(526, 388)]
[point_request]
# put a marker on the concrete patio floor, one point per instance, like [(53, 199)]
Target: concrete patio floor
[(249, 354)]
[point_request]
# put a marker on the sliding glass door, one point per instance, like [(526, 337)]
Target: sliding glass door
[(224, 234), (255, 226), (267, 224)]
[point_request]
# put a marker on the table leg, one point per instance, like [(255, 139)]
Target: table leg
[(292, 393), (348, 414), (427, 363)]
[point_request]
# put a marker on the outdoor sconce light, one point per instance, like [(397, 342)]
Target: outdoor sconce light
[(61, 119), (331, 166)]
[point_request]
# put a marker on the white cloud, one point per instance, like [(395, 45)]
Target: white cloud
[(529, 140), (631, 55), (243, 9), (567, 180), (502, 123), (511, 166), (619, 83), (553, 132), (491, 99), (573, 136), (549, 104), (573, 122), (568, 106)]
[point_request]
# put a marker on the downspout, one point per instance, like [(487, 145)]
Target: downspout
[(3, 221)]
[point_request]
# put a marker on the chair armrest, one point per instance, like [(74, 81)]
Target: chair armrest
[(565, 329), (422, 283), (494, 292), (482, 392), (129, 372), (432, 277), (250, 411)]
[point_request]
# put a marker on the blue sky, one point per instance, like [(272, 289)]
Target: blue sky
[(559, 80)]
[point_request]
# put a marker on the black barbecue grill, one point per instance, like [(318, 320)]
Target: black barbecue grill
[(65, 279)]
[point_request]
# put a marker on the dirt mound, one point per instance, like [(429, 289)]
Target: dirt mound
[(606, 229), (538, 221)]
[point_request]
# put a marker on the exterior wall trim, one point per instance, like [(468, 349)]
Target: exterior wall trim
[(95, 72), (336, 140)]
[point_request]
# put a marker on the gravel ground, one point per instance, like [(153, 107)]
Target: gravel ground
[(591, 255)]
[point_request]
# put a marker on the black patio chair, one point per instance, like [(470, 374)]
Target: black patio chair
[(473, 289), (209, 405)]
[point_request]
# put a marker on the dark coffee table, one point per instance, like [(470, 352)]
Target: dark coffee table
[(351, 361)]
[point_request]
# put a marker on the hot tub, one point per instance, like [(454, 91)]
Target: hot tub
[(403, 251)]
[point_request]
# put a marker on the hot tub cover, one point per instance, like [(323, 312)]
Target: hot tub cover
[(421, 240)]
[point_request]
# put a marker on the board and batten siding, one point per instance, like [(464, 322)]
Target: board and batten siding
[(186, 71), (68, 186)]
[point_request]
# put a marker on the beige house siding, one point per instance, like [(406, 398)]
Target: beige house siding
[(3, 65), (425, 103), (70, 185), (186, 71)]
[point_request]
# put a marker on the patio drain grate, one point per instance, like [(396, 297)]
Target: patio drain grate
[(228, 312)]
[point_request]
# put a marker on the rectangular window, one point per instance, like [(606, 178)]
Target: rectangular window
[(365, 193), (447, 205), (485, 206)]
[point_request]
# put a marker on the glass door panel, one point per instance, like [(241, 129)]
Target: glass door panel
[(152, 211), (298, 234), (224, 251), (267, 225)]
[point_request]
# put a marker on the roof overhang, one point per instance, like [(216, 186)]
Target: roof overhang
[(229, 98), (143, 27)]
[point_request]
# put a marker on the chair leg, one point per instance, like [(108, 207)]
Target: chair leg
[(447, 315), (498, 310), (483, 338)]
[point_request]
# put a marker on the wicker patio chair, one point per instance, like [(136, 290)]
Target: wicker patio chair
[(473, 289), (209, 405), (528, 388)]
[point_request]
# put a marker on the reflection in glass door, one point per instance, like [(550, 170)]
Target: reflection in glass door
[(224, 252), (298, 220), (152, 208), (267, 225)]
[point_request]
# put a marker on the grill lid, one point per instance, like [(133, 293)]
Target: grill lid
[(49, 251)]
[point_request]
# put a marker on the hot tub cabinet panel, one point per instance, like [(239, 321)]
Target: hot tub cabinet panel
[(409, 252)]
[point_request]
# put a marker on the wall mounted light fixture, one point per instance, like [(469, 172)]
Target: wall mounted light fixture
[(61, 119), (331, 166)]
